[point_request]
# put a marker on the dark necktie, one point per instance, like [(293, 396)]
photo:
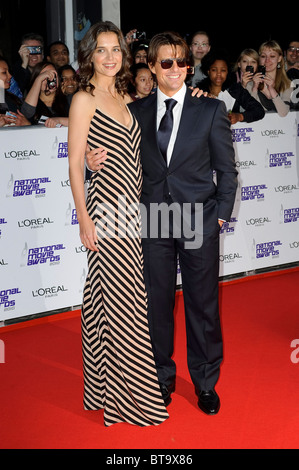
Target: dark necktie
[(165, 128)]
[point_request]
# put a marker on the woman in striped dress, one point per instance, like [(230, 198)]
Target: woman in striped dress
[(119, 368)]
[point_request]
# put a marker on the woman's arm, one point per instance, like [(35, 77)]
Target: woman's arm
[(79, 122), (57, 121), (34, 92)]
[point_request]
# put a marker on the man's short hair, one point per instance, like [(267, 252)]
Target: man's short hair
[(32, 37), (168, 38)]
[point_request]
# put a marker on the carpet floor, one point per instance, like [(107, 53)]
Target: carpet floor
[(41, 380)]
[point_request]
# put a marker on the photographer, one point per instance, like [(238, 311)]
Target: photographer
[(246, 66), (219, 84), (271, 85), (45, 98), (10, 104), (31, 53)]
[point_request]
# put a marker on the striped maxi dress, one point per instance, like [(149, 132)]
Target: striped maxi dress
[(118, 364)]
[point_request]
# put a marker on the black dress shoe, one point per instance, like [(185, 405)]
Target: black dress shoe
[(166, 391), (208, 401)]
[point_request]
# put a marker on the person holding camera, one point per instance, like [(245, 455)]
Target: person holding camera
[(271, 85), (246, 66), (45, 98), (31, 53), (219, 84), (10, 104)]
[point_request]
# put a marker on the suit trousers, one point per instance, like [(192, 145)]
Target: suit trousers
[(199, 271)]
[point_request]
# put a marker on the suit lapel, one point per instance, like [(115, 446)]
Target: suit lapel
[(149, 126), (189, 121)]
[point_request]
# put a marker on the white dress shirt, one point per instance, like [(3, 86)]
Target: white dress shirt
[(177, 112)]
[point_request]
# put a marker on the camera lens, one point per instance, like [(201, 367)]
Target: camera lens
[(51, 83)]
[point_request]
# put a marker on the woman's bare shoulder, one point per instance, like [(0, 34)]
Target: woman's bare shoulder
[(82, 98), (83, 103)]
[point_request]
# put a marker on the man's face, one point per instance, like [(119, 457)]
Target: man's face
[(34, 58), (169, 80), (59, 55), (292, 53)]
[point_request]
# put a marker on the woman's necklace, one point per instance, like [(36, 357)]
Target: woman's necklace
[(107, 92)]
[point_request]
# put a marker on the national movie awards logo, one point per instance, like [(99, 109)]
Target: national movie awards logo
[(291, 215), (7, 298), (281, 159), (50, 254), (229, 227), (242, 135), (62, 151), (30, 186), (255, 192), (267, 249)]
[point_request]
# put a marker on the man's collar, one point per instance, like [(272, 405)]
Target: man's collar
[(179, 96)]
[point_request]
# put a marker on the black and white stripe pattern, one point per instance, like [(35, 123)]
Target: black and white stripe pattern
[(119, 370)]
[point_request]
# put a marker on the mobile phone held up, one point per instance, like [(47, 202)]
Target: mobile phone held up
[(34, 50), (262, 69)]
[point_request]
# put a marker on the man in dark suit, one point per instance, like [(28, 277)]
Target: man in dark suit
[(200, 149)]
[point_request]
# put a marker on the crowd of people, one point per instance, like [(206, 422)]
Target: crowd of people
[(39, 87)]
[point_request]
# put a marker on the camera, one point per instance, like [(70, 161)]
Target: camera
[(139, 35), (262, 69), (52, 83), (190, 70), (34, 50), (249, 68)]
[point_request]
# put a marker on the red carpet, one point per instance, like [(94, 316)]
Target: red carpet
[(41, 380)]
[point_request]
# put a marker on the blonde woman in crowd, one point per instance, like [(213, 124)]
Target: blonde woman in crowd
[(246, 66), (271, 86)]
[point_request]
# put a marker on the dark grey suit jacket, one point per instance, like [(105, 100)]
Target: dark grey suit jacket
[(203, 145)]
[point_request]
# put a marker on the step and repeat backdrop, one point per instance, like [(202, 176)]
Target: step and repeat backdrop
[(42, 261)]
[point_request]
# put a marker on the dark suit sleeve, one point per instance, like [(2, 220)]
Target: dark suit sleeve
[(223, 161), (253, 110)]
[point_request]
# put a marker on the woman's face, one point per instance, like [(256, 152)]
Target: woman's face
[(107, 57), (141, 57), (143, 82), (270, 59), (69, 83), (200, 46), (247, 60), (218, 72), (5, 76)]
